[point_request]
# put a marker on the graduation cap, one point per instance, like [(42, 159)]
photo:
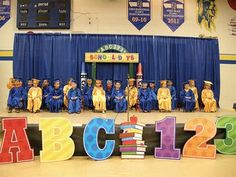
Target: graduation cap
[(74, 81), (18, 79), (208, 83), (163, 81), (56, 80), (109, 81), (152, 81), (98, 81), (185, 83), (35, 81)]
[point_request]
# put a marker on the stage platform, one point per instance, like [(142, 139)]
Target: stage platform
[(147, 118)]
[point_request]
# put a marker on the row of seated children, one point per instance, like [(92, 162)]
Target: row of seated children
[(95, 97)]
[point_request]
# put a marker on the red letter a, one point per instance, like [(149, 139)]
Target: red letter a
[(15, 144)]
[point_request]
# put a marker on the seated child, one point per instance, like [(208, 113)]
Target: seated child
[(108, 91), (74, 97), (173, 94), (17, 96), (87, 94), (66, 89), (208, 98), (118, 97), (56, 97), (187, 98), (133, 93), (46, 91), (34, 97), (164, 97), (99, 98), (153, 95), (144, 97)]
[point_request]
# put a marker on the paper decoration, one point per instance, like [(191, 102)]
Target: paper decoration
[(139, 12), (197, 146), (15, 144), (5, 11), (206, 14), (90, 138), (227, 145), (167, 150), (133, 146), (232, 4), (56, 142), (173, 13)]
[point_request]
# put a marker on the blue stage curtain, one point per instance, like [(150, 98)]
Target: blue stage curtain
[(176, 58)]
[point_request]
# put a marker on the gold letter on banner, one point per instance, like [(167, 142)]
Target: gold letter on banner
[(112, 57), (56, 141)]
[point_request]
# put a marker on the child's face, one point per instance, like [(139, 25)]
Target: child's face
[(73, 85), (144, 85), (57, 85), (117, 85), (164, 85), (30, 83), (109, 85), (207, 86), (45, 83), (131, 83), (152, 85), (35, 84), (170, 83), (186, 86), (89, 82), (98, 84), (192, 83)]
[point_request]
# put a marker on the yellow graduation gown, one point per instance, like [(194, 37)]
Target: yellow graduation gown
[(65, 91), (99, 99), (164, 99), (195, 92), (208, 100), (34, 99), (133, 95)]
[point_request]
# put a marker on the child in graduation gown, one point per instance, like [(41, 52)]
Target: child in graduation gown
[(99, 97), (87, 94), (164, 97), (74, 97), (29, 85), (187, 98), (173, 94), (208, 98), (133, 93), (144, 97), (108, 91), (195, 92), (66, 89), (46, 88), (153, 95), (56, 97), (118, 97), (34, 97), (17, 96)]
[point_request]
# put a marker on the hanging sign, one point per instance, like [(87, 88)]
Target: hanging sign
[(139, 12), (111, 57), (5, 11), (173, 13)]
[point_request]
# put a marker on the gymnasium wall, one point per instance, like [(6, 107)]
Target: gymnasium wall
[(110, 17)]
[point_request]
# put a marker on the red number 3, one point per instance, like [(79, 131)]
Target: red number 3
[(197, 146)]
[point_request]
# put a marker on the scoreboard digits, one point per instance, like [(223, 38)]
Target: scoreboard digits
[(43, 14)]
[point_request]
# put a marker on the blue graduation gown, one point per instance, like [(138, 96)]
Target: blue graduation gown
[(46, 93), (17, 98), (173, 97), (153, 98), (188, 100), (55, 105), (88, 100), (144, 99), (109, 103), (119, 100), (74, 97)]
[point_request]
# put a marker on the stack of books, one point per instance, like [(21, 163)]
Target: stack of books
[(133, 146)]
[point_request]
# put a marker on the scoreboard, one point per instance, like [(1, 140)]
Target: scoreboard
[(43, 14)]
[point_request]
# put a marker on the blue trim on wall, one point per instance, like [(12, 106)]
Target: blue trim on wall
[(6, 58), (227, 61)]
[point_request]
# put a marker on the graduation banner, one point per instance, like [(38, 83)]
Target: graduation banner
[(173, 13), (111, 57), (5, 11), (139, 12)]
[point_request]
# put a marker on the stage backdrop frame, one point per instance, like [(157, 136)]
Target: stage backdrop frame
[(176, 58)]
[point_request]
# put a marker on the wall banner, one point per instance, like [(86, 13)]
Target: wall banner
[(5, 11), (139, 12), (173, 13)]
